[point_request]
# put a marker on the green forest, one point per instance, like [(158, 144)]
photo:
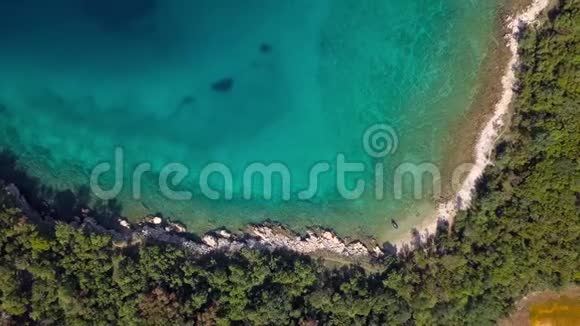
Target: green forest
[(522, 234)]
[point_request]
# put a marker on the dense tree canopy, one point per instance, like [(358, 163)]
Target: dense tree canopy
[(522, 234)]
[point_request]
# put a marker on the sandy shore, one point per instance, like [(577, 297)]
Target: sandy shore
[(490, 133)]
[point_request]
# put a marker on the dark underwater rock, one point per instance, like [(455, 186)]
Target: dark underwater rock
[(223, 85), (118, 14), (187, 100), (265, 48)]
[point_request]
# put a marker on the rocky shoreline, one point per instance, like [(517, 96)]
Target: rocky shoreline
[(263, 237), (267, 236)]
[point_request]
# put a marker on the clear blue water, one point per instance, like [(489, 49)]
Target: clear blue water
[(237, 82)]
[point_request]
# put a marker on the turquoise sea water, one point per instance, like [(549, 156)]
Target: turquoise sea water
[(239, 82)]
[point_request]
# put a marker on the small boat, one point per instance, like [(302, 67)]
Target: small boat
[(395, 225)]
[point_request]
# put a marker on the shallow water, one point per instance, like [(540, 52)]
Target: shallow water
[(195, 82)]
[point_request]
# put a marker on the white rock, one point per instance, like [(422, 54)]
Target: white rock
[(124, 223), (224, 234), (210, 241), (329, 236), (176, 227)]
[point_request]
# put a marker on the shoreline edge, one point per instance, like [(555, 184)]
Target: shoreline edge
[(490, 133)]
